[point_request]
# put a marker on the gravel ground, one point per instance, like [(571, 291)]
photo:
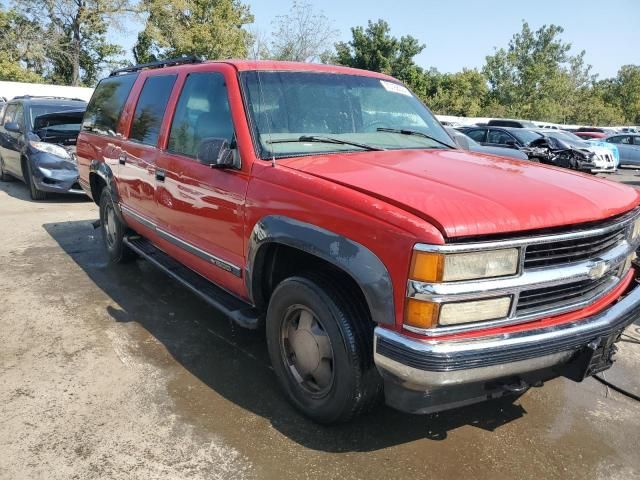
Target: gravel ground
[(116, 372)]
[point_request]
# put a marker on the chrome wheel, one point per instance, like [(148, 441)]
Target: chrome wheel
[(306, 350), (110, 226)]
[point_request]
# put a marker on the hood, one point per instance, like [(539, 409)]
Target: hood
[(58, 118), (466, 194)]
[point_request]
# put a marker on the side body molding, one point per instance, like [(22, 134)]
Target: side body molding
[(358, 261)]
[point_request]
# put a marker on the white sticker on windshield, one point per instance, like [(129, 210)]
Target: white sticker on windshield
[(395, 88)]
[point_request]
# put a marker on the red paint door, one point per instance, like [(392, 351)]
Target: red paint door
[(200, 209), (138, 153)]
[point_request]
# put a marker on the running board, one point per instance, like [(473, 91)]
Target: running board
[(239, 311)]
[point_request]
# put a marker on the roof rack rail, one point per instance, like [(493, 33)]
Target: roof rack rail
[(169, 62), (55, 97)]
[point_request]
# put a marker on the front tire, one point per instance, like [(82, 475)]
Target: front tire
[(4, 177), (321, 347), (33, 190), (113, 231)]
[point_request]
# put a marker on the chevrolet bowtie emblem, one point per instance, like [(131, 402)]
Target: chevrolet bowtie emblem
[(598, 269)]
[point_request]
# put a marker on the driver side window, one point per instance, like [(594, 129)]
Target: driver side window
[(202, 112), (499, 137)]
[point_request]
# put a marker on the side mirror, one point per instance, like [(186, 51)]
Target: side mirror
[(462, 141), (511, 144), (12, 127), (215, 152)]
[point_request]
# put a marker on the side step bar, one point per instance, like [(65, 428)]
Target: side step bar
[(236, 309)]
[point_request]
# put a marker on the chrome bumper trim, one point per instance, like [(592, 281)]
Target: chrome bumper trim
[(431, 364)]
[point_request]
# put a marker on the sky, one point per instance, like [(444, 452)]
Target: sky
[(461, 33)]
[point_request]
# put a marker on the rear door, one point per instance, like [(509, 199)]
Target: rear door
[(138, 153), (200, 208), (15, 142), (6, 139)]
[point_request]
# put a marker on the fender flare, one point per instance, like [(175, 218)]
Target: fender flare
[(104, 171), (356, 260)]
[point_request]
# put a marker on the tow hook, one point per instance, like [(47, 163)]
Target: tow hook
[(516, 387)]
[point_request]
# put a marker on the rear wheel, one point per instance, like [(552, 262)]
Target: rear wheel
[(33, 190), (321, 348), (113, 231)]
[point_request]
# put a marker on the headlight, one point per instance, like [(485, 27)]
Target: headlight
[(635, 230), (425, 315), (52, 149), (439, 267)]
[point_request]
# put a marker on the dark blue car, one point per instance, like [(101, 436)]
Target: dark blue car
[(37, 144)]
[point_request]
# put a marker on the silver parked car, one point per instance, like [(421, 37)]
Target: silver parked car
[(468, 143), (629, 147)]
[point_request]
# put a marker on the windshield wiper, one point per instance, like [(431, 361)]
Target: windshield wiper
[(318, 139), (403, 131)]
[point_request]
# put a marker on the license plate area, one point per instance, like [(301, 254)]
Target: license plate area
[(595, 357)]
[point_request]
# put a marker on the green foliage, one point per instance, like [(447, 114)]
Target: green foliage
[(76, 51), (21, 54), (209, 28), (375, 49)]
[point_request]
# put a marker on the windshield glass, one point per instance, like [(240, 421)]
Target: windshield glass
[(288, 105), (37, 110), (525, 136)]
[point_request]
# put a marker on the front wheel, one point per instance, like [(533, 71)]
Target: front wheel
[(113, 231), (5, 177), (33, 190), (321, 347)]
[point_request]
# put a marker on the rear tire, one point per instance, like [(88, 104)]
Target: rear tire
[(321, 347), (113, 231), (33, 190)]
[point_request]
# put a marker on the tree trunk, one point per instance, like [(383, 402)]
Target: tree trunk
[(75, 54)]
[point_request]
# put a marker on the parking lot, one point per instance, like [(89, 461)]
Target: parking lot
[(117, 372)]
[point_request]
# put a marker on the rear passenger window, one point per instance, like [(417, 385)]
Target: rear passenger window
[(106, 104), (152, 103), (202, 112)]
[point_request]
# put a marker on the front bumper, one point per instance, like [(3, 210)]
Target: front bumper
[(423, 376), (56, 180)]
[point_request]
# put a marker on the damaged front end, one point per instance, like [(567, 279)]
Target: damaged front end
[(554, 151)]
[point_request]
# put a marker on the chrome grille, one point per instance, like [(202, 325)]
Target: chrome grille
[(548, 298), (568, 251), (559, 272)]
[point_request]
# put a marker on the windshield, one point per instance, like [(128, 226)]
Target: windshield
[(285, 106), (525, 136), (37, 110)]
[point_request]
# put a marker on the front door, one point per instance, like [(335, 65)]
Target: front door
[(137, 155), (200, 208)]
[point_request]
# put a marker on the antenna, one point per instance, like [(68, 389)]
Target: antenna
[(273, 154)]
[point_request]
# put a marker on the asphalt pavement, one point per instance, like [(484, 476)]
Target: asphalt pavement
[(119, 373)]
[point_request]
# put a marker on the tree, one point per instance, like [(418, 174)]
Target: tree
[(76, 47), (536, 77), (208, 28), (375, 49), (302, 35), (460, 93), (21, 49), (627, 87)]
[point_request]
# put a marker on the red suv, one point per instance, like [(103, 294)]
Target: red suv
[(329, 205)]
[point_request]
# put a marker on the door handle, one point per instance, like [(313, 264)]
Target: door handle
[(122, 159), (160, 175)]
